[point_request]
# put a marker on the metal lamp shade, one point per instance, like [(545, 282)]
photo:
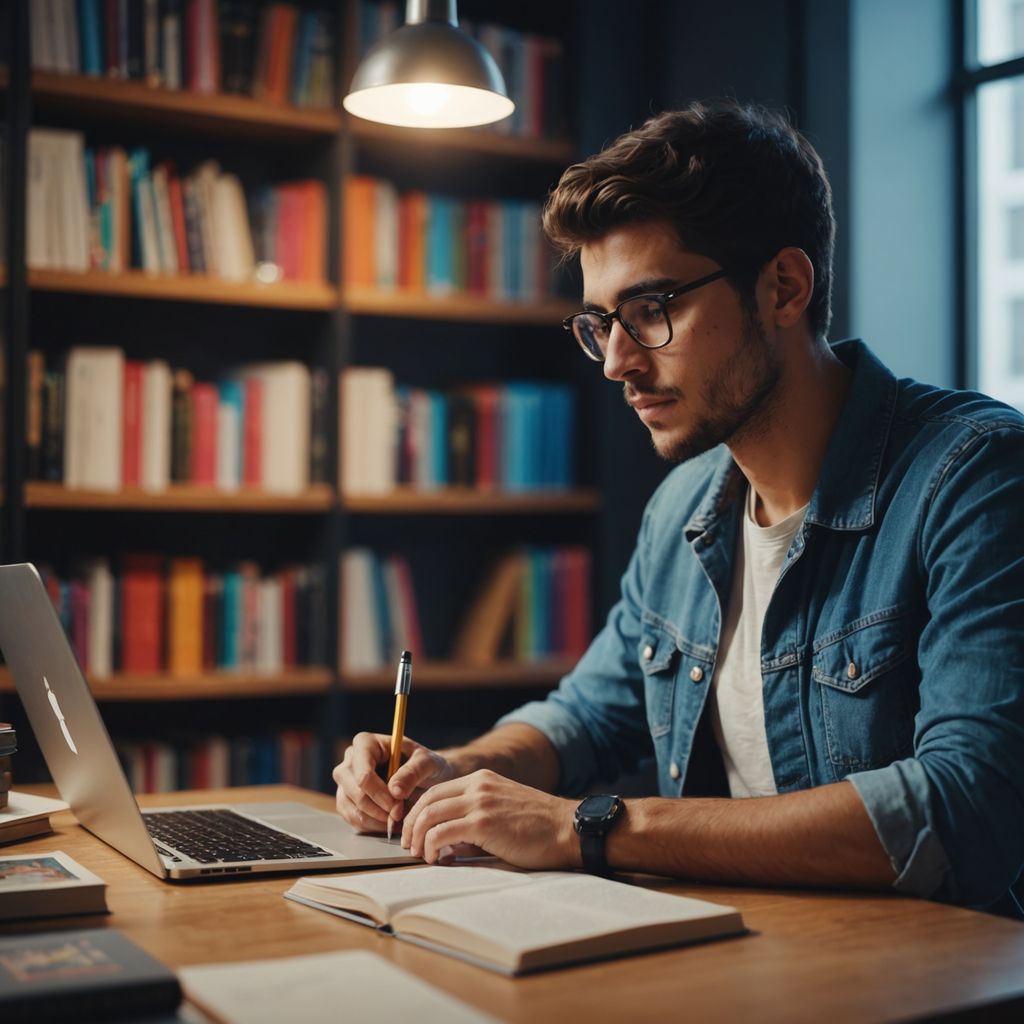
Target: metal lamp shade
[(429, 75)]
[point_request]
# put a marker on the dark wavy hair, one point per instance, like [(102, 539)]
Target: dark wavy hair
[(738, 183)]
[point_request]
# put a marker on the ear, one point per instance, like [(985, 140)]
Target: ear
[(789, 276)]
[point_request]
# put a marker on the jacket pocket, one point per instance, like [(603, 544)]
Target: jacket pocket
[(658, 656), (867, 686)]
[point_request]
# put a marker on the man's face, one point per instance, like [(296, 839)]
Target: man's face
[(714, 381)]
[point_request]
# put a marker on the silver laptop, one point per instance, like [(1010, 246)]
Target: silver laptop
[(179, 842)]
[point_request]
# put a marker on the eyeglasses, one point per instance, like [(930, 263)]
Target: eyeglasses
[(644, 317)]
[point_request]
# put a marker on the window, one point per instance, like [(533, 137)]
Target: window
[(992, 80)]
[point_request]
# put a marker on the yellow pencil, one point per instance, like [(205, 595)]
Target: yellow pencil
[(402, 686)]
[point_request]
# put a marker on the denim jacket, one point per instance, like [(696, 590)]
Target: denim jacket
[(892, 651)]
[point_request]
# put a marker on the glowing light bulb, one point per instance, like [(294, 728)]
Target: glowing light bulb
[(429, 98)]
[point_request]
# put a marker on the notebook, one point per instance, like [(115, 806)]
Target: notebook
[(172, 843)]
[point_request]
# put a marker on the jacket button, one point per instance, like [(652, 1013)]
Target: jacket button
[(648, 652), (852, 671), (696, 673), (673, 770)]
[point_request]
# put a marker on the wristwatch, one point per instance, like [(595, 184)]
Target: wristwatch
[(594, 819)]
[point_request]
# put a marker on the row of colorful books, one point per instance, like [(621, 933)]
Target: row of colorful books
[(532, 604), (107, 208), (177, 616), (514, 436), (97, 420), (532, 66), (441, 245), (293, 756), (272, 51)]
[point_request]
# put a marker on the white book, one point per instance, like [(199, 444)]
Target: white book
[(270, 638), (100, 581), (56, 15), (155, 469), (285, 434), (94, 381), (229, 447), (167, 249), (72, 43), (38, 187), (312, 988), (236, 259), (359, 626), (151, 41), (400, 633), (166, 768), (205, 178), (369, 428), (420, 439), (385, 241), (219, 760), (75, 202)]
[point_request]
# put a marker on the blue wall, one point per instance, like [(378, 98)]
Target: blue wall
[(902, 185)]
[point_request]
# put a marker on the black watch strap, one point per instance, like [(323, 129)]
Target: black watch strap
[(592, 850)]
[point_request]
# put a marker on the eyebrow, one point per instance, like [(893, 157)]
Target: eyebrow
[(652, 285)]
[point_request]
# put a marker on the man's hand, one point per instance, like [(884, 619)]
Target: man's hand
[(364, 799), (523, 826)]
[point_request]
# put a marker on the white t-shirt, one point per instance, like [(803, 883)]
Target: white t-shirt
[(737, 700)]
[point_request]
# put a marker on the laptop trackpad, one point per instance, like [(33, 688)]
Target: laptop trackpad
[(327, 829)]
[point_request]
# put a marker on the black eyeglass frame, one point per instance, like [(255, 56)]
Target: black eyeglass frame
[(663, 299)]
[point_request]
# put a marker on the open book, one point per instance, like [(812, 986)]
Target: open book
[(515, 922)]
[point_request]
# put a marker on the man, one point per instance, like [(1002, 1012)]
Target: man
[(823, 613)]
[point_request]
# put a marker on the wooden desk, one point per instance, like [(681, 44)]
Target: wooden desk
[(812, 956)]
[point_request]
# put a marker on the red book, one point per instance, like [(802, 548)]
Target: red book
[(290, 647), (282, 46), (200, 774), (252, 433), (488, 435), (131, 410), (204, 434), (410, 613), (574, 594), (142, 613), (286, 239), (358, 259), (178, 220), (476, 246)]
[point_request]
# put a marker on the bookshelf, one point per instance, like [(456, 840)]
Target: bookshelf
[(325, 323)]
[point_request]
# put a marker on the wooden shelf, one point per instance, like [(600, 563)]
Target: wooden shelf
[(468, 140), (178, 498), (441, 675), (188, 112), (136, 284), (207, 686), (474, 308), (467, 501)]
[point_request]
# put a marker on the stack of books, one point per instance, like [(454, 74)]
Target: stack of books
[(100, 421), (175, 615), (273, 51), (515, 436), (111, 209), (440, 245)]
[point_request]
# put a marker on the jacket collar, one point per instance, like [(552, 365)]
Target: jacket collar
[(844, 498)]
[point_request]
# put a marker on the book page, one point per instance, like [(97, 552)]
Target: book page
[(559, 908), (23, 806), (312, 989), (394, 890)]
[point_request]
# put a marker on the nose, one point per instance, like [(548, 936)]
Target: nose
[(624, 357)]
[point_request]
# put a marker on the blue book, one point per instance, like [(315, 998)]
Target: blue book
[(232, 393), (303, 59), (231, 620), (438, 439), (533, 435), (90, 37), (138, 176), (440, 277), (512, 233), (515, 440), (90, 176), (380, 608), (540, 609)]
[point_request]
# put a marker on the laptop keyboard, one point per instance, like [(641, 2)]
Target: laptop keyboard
[(220, 836)]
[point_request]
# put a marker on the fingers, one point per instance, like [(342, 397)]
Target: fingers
[(356, 818), (358, 781), (438, 824), (424, 768)]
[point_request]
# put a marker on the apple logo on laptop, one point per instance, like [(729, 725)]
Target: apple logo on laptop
[(60, 716)]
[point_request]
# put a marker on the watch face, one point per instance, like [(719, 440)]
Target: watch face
[(597, 806)]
